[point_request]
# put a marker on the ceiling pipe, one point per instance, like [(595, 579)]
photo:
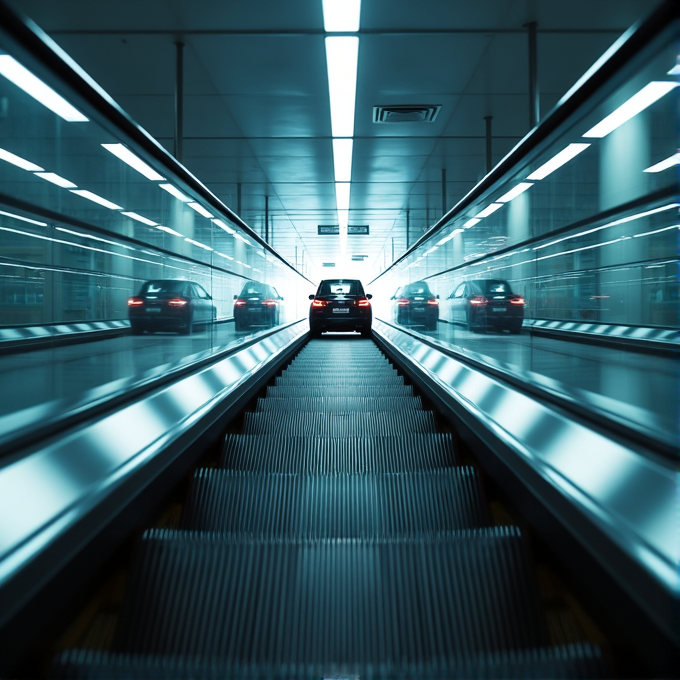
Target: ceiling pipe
[(179, 100), (534, 103)]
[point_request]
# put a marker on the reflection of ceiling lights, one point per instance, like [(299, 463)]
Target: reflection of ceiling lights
[(490, 209), (95, 198), (19, 161), (200, 209), (56, 179), (664, 164), (133, 161), (557, 161), (140, 218), (23, 219), (515, 192), (175, 192), (224, 226), (167, 230)]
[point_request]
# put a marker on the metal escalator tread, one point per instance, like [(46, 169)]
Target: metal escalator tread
[(569, 662), (339, 404), (280, 392), (335, 455), (335, 506), (315, 380), (332, 602), (339, 425)]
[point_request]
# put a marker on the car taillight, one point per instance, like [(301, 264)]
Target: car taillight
[(363, 302), (478, 300), (135, 302), (239, 303), (177, 302), (433, 301), (517, 300), (318, 303), (269, 302), (402, 302)]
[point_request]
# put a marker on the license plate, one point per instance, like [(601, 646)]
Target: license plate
[(341, 310), (153, 310), (498, 309), (419, 309)]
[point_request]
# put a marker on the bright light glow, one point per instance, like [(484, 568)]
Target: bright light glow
[(226, 257), (431, 250), (637, 103), (23, 219), (200, 210), (23, 78), (471, 223), (675, 71), (140, 218), (95, 198), (657, 231), (241, 238), (446, 239), (558, 161), (133, 161), (198, 243), (56, 179), (489, 210), (342, 195), (175, 192), (95, 238), (247, 266), (665, 164), (170, 231), (341, 16), (19, 161), (341, 58), (515, 192), (342, 159), (224, 226)]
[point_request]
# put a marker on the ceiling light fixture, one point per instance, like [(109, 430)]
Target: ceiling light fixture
[(342, 159), (490, 209), (665, 164), (140, 218), (19, 161), (167, 230), (637, 103), (342, 190), (341, 16), (515, 192), (133, 161), (224, 226), (557, 161), (342, 55), (95, 198), (471, 223), (23, 219), (200, 210), (175, 192), (56, 179), (197, 243), (33, 86)]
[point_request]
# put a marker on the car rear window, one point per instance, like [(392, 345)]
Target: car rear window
[(252, 289), (340, 287), (417, 289), (490, 286), (160, 287)]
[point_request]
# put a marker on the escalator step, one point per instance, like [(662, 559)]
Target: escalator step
[(327, 603), (335, 506), (325, 455), (355, 391), (570, 662), (339, 425), (339, 404), (317, 379)]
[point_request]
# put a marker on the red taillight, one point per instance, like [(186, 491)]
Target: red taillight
[(135, 302), (318, 303), (363, 302), (239, 303), (433, 301), (403, 302), (269, 302), (517, 300), (177, 302), (478, 300)]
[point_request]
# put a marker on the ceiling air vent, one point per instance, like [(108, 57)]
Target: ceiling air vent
[(328, 264), (359, 258), (406, 113)]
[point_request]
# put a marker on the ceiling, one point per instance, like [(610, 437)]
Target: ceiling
[(257, 126)]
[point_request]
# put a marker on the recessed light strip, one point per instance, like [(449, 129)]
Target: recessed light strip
[(664, 164), (19, 161), (557, 161), (23, 219), (133, 161), (95, 198), (341, 16)]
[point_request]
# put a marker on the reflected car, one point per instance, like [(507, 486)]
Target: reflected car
[(340, 305), (170, 305), (416, 305), (484, 303), (257, 305)]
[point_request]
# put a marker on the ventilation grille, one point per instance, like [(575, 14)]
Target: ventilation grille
[(406, 113), (359, 258), (328, 264)]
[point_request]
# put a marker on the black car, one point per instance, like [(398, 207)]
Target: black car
[(416, 305), (340, 305), (482, 303), (258, 305), (170, 304)]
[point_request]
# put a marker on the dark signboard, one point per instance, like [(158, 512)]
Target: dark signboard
[(357, 229), (329, 229)]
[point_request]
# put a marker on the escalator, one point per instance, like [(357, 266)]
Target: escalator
[(340, 536)]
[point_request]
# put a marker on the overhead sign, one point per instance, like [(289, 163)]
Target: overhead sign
[(328, 229), (357, 229), (334, 230)]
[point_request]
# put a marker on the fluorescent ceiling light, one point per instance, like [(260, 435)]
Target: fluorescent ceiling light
[(471, 223), (23, 219), (665, 164), (170, 231), (341, 58), (342, 195), (247, 266), (56, 179), (133, 161), (19, 161), (96, 199), (637, 103), (224, 226), (558, 161), (23, 78), (241, 238), (431, 250), (341, 16), (200, 209), (140, 218), (175, 192), (223, 255), (342, 159), (446, 239), (95, 238), (675, 71), (657, 231), (489, 210), (515, 192), (198, 243)]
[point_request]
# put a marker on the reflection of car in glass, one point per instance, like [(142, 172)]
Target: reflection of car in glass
[(340, 305), (170, 304), (487, 302), (257, 305), (416, 305)]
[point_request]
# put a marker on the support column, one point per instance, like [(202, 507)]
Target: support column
[(534, 104), (238, 199), (179, 101), (443, 191), (489, 157), (408, 229), (266, 219)]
